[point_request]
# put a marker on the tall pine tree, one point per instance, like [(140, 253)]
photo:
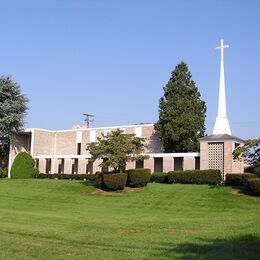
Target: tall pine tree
[(181, 113)]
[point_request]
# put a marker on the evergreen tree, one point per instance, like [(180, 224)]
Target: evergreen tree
[(23, 167), (181, 113), (13, 107)]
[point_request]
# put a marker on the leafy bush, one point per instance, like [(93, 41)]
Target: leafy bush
[(250, 169), (238, 179), (138, 177), (23, 167), (212, 177), (160, 177), (114, 181), (90, 177), (253, 185), (253, 169), (62, 176), (3, 172), (257, 171), (99, 179)]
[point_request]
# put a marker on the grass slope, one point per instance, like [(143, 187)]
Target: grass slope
[(62, 219)]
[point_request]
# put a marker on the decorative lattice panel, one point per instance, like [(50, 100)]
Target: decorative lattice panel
[(216, 156)]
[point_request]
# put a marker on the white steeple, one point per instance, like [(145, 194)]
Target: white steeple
[(222, 124)]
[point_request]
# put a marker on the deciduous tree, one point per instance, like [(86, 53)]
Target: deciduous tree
[(116, 149)]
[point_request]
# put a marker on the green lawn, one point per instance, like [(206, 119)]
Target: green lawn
[(63, 219)]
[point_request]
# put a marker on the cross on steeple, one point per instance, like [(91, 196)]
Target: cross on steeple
[(222, 47)]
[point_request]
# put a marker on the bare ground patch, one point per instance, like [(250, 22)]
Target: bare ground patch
[(116, 193), (242, 192)]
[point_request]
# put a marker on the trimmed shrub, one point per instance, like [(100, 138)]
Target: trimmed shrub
[(238, 179), (253, 185), (257, 171), (253, 169), (160, 177), (3, 172), (114, 181), (99, 179), (212, 177), (64, 176), (23, 167), (90, 177), (250, 169), (138, 177)]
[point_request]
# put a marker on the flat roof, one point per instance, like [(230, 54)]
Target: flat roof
[(84, 129), (221, 137)]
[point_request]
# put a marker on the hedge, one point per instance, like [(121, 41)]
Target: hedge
[(257, 171), (3, 172), (99, 179), (62, 176), (23, 167), (238, 179), (253, 185), (160, 177), (253, 169), (212, 177), (114, 181), (138, 177)]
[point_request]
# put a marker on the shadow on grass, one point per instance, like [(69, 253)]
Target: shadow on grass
[(241, 190), (242, 247), (88, 183)]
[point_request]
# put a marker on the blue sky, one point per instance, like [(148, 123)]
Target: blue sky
[(112, 58)]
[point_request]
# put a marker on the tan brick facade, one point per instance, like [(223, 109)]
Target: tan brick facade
[(229, 143), (65, 151)]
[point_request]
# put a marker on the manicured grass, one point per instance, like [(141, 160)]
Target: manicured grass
[(63, 219)]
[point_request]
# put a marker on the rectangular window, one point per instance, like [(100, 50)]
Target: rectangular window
[(139, 164), (158, 164), (48, 166), (75, 166), (89, 168), (178, 163), (78, 148), (61, 166), (197, 163)]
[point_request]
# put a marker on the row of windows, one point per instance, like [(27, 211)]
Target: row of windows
[(158, 165)]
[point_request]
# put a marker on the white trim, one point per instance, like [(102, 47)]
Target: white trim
[(92, 136), (55, 143), (10, 158), (87, 156), (138, 132), (122, 126), (86, 129), (79, 136), (70, 156), (164, 155), (32, 143)]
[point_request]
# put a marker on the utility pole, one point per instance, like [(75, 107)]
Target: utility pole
[(88, 119)]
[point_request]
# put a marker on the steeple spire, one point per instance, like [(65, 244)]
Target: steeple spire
[(222, 124)]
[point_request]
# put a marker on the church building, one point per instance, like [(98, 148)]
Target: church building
[(64, 151)]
